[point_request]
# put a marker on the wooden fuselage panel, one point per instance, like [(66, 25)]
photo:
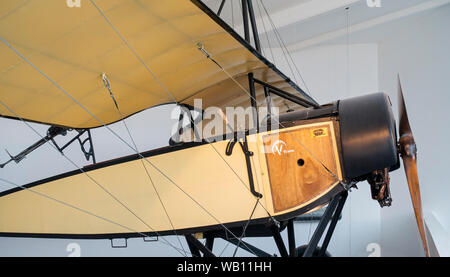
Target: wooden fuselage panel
[(198, 188), (302, 163)]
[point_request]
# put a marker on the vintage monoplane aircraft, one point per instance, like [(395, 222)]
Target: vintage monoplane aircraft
[(80, 68)]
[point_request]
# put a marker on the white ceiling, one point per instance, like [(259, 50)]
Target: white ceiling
[(303, 23), (337, 19)]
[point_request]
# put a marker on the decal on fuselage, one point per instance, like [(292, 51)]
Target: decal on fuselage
[(280, 147), (320, 132)]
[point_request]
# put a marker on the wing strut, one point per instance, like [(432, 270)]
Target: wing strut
[(53, 132)]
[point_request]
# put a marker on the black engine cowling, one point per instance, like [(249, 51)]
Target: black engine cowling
[(368, 135)]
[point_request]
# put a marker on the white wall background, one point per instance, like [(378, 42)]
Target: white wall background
[(326, 70), (416, 47)]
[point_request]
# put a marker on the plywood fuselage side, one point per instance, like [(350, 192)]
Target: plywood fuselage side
[(199, 190)]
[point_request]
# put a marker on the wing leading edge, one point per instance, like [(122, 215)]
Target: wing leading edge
[(54, 58)]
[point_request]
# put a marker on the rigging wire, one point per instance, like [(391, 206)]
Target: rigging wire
[(119, 137), (54, 83), (240, 5), (257, 202), (231, 77), (80, 169), (164, 241), (245, 227), (243, 232), (208, 56), (309, 232), (108, 87), (169, 94), (283, 46), (279, 42), (347, 9), (109, 129), (295, 138), (274, 117), (225, 248), (114, 133), (266, 33), (232, 13)]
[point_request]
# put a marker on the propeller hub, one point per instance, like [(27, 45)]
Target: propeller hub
[(408, 146)]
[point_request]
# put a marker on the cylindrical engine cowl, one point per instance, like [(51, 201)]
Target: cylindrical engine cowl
[(368, 135)]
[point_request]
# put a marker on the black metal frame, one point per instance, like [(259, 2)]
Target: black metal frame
[(248, 247), (248, 154), (329, 218), (209, 243), (249, 14), (195, 246), (87, 153), (186, 110), (268, 90), (283, 94), (333, 211), (279, 240), (291, 238), (246, 43), (53, 132), (221, 7), (332, 214)]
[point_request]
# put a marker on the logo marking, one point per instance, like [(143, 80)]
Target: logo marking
[(322, 132), (279, 147)]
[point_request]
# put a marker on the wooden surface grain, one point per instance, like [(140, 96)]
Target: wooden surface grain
[(299, 164)]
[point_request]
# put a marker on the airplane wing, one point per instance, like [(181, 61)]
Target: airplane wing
[(53, 58)]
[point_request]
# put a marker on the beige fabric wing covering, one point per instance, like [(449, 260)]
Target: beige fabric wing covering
[(74, 46)]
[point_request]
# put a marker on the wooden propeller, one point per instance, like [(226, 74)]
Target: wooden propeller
[(408, 152)]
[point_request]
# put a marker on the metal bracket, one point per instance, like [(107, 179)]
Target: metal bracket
[(248, 154), (87, 153), (119, 246), (53, 132), (286, 95), (151, 239), (186, 110)]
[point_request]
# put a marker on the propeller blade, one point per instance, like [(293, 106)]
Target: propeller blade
[(404, 127), (408, 151)]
